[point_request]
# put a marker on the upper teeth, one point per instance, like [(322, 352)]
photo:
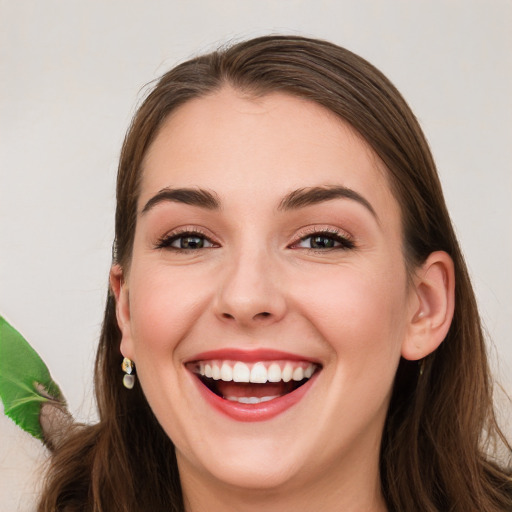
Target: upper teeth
[(258, 373)]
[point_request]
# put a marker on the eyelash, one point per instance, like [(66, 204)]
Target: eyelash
[(345, 243), (167, 240)]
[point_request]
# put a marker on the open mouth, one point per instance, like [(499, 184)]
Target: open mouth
[(252, 383)]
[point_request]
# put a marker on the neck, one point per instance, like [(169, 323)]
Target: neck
[(354, 488)]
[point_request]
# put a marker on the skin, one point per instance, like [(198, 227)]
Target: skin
[(258, 284)]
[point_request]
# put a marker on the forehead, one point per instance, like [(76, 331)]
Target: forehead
[(236, 144)]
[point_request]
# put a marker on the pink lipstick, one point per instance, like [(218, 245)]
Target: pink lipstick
[(252, 385)]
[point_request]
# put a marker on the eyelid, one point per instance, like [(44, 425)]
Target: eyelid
[(164, 242), (343, 236), (322, 228)]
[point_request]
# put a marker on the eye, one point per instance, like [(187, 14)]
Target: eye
[(185, 241), (324, 241)]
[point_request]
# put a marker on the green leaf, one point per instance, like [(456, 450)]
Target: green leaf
[(25, 382)]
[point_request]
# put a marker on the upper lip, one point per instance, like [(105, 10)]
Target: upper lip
[(250, 356)]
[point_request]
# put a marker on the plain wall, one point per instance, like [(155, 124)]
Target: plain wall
[(71, 74)]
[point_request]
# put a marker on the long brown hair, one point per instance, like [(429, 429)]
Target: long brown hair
[(433, 455)]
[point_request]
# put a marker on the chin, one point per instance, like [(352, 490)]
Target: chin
[(253, 470)]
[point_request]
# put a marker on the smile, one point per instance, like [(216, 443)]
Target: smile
[(253, 390)]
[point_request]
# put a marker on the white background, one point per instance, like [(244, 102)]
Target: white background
[(71, 74)]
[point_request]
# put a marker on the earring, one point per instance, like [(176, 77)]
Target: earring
[(128, 367)]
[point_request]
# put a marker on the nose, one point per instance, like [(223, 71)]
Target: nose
[(250, 292)]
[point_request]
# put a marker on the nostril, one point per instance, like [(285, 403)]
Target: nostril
[(263, 314)]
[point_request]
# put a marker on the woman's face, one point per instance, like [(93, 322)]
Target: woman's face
[(268, 249)]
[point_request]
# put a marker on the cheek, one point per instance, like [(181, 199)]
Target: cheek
[(164, 304), (361, 315)]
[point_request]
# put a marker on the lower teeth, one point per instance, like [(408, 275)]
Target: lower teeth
[(250, 399), (217, 387)]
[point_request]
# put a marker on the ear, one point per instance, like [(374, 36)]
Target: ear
[(432, 306), (119, 288)]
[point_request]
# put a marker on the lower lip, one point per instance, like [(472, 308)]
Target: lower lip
[(254, 412)]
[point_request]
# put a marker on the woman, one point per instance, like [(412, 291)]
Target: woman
[(294, 316)]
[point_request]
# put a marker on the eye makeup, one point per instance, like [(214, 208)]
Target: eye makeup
[(185, 239)]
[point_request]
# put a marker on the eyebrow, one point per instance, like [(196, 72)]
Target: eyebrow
[(294, 200), (314, 195), (195, 197)]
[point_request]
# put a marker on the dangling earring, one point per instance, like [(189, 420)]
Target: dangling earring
[(128, 367)]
